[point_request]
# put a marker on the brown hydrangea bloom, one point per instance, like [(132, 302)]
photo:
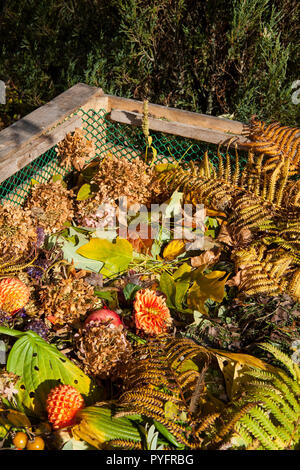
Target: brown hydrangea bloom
[(50, 205), (75, 150), (116, 178), (103, 350), (66, 300), (17, 231)]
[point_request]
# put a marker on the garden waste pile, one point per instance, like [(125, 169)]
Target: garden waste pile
[(154, 306)]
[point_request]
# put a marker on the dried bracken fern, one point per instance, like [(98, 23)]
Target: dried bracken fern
[(277, 143), (157, 388), (262, 202)]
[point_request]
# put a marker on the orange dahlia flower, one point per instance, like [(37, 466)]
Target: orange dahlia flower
[(151, 312)]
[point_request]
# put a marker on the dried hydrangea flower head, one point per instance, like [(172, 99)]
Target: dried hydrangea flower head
[(65, 301), (18, 232), (103, 349), (75, 150), (50, 205), (119, 177), (151, 313)]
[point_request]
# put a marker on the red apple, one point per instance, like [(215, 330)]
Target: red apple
[(104, 315)]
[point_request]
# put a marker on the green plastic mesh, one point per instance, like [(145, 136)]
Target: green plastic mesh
[(122, 140)]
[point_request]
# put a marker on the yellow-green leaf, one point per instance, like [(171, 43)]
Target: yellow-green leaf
[(84, 192), (115, 256), (98, 425)]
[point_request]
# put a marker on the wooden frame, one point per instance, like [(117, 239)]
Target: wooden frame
[(31, 136)]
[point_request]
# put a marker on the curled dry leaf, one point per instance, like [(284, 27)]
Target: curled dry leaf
[(207, 257), (224, 235)]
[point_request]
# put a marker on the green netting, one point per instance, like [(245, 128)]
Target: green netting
[(122, 140)]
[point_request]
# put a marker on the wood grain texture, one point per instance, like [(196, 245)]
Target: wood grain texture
[(34, 134), (184, 130), (176, 115)]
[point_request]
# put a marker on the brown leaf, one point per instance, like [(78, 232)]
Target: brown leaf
[(236, 280), (224, 235), (208, 257)]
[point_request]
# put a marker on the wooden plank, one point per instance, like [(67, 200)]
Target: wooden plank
[(177, 115), (32, 135), (175, 128), (36, 147)]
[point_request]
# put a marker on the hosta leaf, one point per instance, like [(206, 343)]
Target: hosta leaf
[(41, 366), (98, 425), (115, 256)]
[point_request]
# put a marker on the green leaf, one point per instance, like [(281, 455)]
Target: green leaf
[(111, 296), (164, 432), (130, 290), (167, 287), (84, 192), (41, 366), (70, 244), (115, 256), (98, 425)]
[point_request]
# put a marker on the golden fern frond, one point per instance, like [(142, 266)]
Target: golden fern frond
[(124, 444), (278, 143)]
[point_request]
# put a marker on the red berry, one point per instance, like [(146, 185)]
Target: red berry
[(104, 315)]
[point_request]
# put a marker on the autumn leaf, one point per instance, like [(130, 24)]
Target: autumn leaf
[(115, 256), (234, 366), (206, 286), (224, 235), (208, 257), (174, 249)]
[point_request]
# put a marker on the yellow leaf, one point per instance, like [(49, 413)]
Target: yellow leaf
[(206, 286), (115, 256), (234, 366), (174, 249)]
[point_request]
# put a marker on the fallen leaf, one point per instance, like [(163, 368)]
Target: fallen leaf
[(206, 286), (115, 256), (224, 235), (208, 257), (174, 249)]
